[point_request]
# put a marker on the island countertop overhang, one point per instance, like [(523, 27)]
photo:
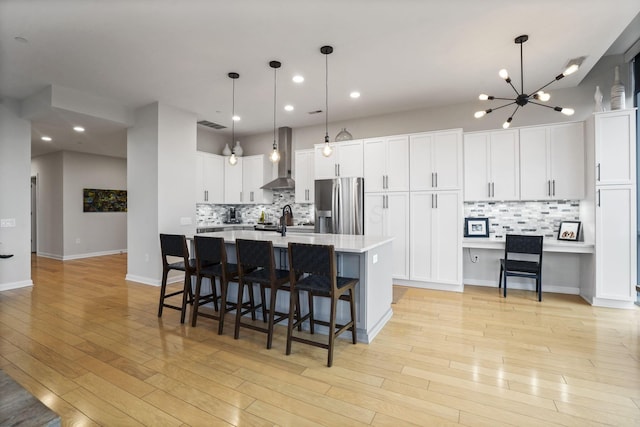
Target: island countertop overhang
[(341, 242)]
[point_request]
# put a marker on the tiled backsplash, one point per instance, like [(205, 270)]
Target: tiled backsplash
[(524, 217), (250, 214)]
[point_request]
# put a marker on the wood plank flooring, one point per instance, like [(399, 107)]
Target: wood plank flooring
[(88, 345)]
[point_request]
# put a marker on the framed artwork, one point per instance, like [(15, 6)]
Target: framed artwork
[(476, 227), (96, 200), (569, 230)]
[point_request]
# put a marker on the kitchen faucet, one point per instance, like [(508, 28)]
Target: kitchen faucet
[(283, 219)]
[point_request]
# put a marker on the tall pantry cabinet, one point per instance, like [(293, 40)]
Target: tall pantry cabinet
[(609, 211), (436, 209)]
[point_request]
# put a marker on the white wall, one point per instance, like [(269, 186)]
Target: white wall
[(92, 233), (210, 140), (161, 150), (15, 196), (48, 170)]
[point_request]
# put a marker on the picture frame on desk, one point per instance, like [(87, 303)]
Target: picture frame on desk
[(476, 227), (569, 230)]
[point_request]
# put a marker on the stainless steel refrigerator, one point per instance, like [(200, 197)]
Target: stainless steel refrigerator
[(339, 205)]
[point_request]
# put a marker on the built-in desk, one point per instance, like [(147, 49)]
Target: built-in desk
[(561, 264)]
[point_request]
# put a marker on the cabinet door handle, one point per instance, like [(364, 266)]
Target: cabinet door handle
[(598, 198), (241, 196), (432, 180), (488, 189), (387, 183), (554, 187), (432, 202), (251, 196), (338, 169), (548, 187), (598, 174), (436, 183), (436, 199)]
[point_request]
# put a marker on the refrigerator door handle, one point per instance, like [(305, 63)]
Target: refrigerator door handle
[(334, 207)]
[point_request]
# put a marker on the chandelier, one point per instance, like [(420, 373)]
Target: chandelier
[(521, 99)]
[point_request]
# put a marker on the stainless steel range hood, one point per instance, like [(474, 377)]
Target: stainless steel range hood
[(284, 181)]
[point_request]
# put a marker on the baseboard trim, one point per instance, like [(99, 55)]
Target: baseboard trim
[(144, 280), (94, 254), (429, 285), (15, 285), (554, 289)]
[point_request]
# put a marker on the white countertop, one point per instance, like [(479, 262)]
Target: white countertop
[(341, 242), (549, 245)]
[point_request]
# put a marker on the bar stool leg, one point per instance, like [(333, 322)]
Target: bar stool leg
[(272, 309), (223, 304), (294, 299), (194, 310), (352, 303), (332, 331), (163, 291)]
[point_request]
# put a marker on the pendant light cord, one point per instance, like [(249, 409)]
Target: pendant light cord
[(233, 115), (275, 84), (326, 88)]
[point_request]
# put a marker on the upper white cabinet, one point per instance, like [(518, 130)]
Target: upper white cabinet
[(305, 176), (345, 161), (491, 166), (256, 172), (614, 134), (552, 162), (233, 182), (386, 164), (210, 178), (436, 160)]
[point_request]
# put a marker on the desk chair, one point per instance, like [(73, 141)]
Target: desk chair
[(519, 244), (313, 270), (175, 245), (211, 263), (256, 265)]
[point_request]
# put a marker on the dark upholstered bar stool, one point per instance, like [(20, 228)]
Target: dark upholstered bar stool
[(175, 245), (313, 269), (211, 263), (256, 265), (518, 244)]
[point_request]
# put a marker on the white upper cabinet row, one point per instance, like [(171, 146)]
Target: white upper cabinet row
[(345, 160), (386, 164), (536, 163), (219, 182), (436, 160), (305, 176)]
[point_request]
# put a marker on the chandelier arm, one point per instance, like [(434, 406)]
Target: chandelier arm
[(536, 91), (505, 105), (515, 111), (542, 105), (514, 88), (503, 99)]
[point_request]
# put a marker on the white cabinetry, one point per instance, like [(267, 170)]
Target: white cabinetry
[(435, 160), (387, 214), (233, 182), (552, 162), (491, 166), (210, 178), (436, 237), (305, 176), (345, 161), (609, 211), (386, 164), (256, 172)]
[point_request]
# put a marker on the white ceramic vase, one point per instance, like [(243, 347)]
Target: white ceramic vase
[(237, 149), (617, 92), (226, 151), (598, 98), (343, 135)]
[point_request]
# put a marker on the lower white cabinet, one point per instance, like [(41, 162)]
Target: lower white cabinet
[(615, 243), (387, 214), (436, 237)]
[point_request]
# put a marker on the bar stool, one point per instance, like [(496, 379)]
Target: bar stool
[(313, 270), (256, 265), (211, 263), (175, 245)]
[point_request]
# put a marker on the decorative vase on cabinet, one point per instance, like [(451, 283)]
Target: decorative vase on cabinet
[(344, 135), (226, 151), (617, 92), (237, 149)]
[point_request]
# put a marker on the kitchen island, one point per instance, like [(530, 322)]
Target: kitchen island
[(365, 257)]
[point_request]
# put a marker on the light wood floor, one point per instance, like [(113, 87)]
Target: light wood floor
[(88, 344)]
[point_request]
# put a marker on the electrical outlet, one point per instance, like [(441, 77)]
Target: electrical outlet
[(375, 258)]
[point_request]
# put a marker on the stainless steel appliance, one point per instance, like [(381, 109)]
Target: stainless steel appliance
[(233, 217), (339, 206)]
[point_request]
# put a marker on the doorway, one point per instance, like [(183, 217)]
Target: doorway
[(34, 221)]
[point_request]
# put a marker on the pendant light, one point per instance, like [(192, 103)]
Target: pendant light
[(327, 150), (521, 99), (233, 159), (275, 155)]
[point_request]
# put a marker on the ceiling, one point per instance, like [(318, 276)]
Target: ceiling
[(400, 54)]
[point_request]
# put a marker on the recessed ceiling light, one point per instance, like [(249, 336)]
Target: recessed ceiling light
[(355, 94), (298, 78), (78, 128), (288, 107), (235, 118), (46, 138)]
